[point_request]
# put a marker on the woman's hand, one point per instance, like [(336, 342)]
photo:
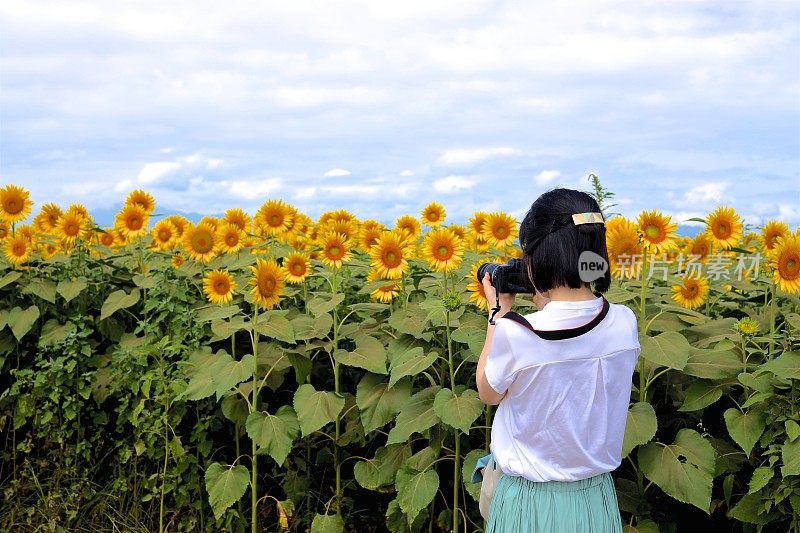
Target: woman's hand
[(506, 300)]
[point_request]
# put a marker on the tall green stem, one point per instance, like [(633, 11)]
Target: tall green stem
[(337, 426), (772, 321), (457, 459), (643, 324), (254, 409)]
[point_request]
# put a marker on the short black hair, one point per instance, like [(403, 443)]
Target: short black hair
[(552, 243)]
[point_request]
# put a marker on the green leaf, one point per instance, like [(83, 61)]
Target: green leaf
[(307, 327), (642, 526), (10, 277), (416, 415), (745, 428), (473, 489), (274, 434), (714, 363), (792, 429), (761, 382), (378, 402), (380, 471), (640, 427), (44, 289), (275, 326), (683, 470), (319, 306), (315, 408), (225, 486), (53, 332), (118, 300), (217, 312), (410, 321), (669, 349), (415, 490), (761, 476), (21, 321), (747, 510), (327, 523), (458, 411), (70, 288), (790, 455), (369, 355), (700, 395), (786, 365), (226, 372), (410, 363)]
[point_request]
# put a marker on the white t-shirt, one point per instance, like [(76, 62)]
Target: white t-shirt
[(563, 418)]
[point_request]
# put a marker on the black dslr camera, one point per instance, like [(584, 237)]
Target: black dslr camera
[(510, 278)]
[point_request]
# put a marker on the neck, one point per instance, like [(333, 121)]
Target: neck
[(571, 295)]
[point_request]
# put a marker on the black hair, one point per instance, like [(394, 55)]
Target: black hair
[(552, 243)]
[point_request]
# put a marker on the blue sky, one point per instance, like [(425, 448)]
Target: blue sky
[(381, 107)]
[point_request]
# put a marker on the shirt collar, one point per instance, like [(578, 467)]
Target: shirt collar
[(579, 304)]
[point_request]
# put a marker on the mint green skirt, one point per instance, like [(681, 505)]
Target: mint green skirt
[(521, 505)]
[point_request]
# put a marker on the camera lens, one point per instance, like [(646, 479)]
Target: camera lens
[(484, 268)]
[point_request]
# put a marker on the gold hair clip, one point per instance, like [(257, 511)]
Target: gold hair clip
[(587, 218)]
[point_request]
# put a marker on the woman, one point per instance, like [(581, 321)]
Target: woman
[(562, 397)]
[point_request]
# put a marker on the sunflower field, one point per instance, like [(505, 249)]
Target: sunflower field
[(278, 373)]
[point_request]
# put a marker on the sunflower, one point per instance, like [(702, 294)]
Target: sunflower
[(349, 228), (476, 242), (18, 249), (177, 260), (340, 215), (165, 235), (70, 226), (369, 234), (475, 288), (335, 249), (5, 229), (476, 222), (442, 249), (297, 266), (657, 231), (200, 242), (499, 230), (624, 247), (141, 198), (273, 218), (180, 223), (433, 214), (700, 247), (47, 218), (48, 250), (267, 282), (390, 254), (385, 293), (771, 231), (218, 286), (692, 292), (238, 218), (131, 221), (108, 237), (724, 227), (26, 231), (409, 224), (785, 263), (459, 230), (230, 237), (15, 203), (212, 222), (746, 326)]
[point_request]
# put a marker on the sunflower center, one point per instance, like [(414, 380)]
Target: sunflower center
[(690, 290), (72, 229), (433, 216), (13, 207), (222, 286), (275, 219), (443, 252), (202, 244), (391, 258), (653, 231), (500, 231), (164, 235), (134, 223), (334, 251), (723, 230), (231, 239), (19, 248), (297, 268), (791, 267)]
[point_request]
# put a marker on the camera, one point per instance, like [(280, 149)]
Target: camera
[(510, 278)]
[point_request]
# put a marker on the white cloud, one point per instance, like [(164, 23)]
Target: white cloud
[(452, 184), (154, 172), (335, 172), (711, 192), (546, 176), (167, 150), (682, 217), (406, 173), (472, 156), (253, 189), (304, 193)]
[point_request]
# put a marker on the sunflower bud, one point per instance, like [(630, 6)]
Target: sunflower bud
[(451, 301), (746, 326)]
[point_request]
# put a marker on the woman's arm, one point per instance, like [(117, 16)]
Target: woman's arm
[(485, 391)]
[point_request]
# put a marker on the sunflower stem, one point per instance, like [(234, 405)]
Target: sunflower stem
[(337, 428), (772, 321), (253, 409)]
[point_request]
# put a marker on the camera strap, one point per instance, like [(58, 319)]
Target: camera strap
[(560, 334)]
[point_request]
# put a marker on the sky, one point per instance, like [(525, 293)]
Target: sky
[(381, 107)]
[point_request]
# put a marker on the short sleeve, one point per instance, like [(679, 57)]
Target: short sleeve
[(499, 368)]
